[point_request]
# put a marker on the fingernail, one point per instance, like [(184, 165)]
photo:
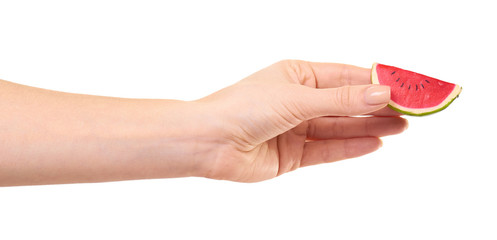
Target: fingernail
[(377, 94)]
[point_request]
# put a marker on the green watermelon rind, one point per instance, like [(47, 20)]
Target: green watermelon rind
[(425, 113), (406, 110)]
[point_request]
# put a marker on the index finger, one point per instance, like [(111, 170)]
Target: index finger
[(330, 75)]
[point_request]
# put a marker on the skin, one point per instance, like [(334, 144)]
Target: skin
[(289, 115)]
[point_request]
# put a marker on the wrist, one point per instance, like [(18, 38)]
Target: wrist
[(148, 138), (183, 141)]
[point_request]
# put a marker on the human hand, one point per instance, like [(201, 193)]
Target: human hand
[(286, 116), (295, 114)]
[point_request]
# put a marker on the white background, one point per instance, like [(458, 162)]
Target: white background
[(438, 180)]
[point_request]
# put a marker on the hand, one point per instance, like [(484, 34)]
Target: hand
[(289, 115), (295, 114)]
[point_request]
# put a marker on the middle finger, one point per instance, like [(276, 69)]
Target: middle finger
[(350, 127)]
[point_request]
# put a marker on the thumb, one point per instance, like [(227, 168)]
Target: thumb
[(343, 101)]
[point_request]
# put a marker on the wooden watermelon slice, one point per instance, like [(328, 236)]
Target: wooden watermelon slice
[(413, 93)]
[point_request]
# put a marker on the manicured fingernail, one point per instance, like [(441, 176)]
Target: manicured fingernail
[(377, 94)]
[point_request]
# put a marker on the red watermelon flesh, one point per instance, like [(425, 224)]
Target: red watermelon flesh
[(413, 93)]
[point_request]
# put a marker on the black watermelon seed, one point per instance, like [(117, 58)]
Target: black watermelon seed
[(402, 85), (416, 87), (397, 80), (409, 88), (427, 81), (422, 85), (393, 73)]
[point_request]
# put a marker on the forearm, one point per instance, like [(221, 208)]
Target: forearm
[(54, 137)]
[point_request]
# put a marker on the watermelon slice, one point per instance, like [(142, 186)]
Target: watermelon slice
[(413, 93)]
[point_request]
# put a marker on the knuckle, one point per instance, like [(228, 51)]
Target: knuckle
[(296, 66), (311, 128), (290, 62), (368, 126), (338, 127), (348, 149), (344, 100), (299, 70), (286, 63), (327, 155), (345, 75)]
